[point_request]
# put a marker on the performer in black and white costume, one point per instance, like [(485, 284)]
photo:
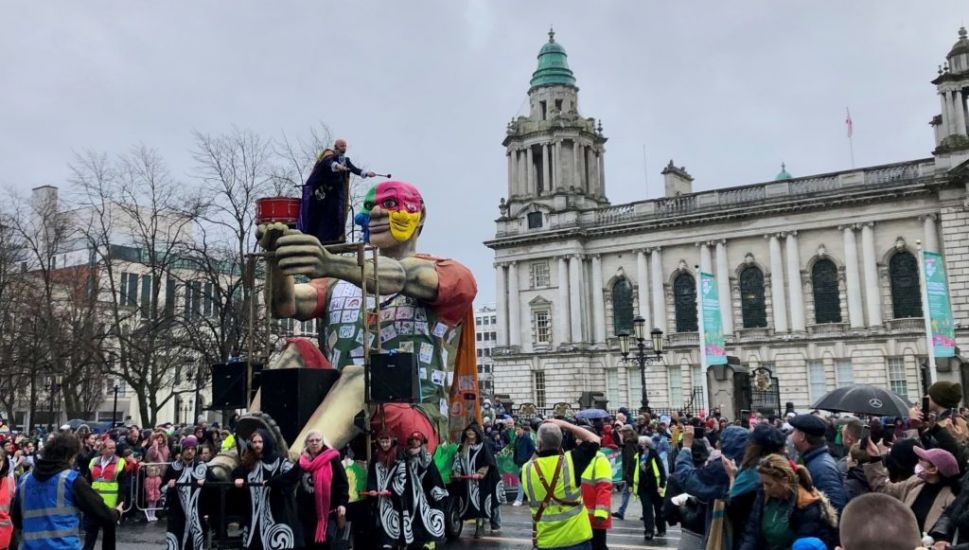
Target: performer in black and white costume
[(272, 523), (422, 495), (476, 463), (184, 480), (386, 471)]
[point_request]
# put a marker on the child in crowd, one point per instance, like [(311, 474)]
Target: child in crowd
[(152, 492)]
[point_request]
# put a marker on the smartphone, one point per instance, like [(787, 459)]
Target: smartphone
[(925, 407), (865, 436)]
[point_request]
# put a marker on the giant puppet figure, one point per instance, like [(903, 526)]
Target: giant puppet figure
[(425, 309)]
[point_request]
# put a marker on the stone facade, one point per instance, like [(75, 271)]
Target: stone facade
[(561, 251)]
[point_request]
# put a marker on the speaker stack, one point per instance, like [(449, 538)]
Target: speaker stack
[(393, 378), (291, 396), (229, 385)]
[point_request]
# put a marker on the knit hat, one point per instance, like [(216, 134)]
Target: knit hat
[(733, 442), (190, 442), (946, 394), (902, 457), (770, 439), (941, 459)]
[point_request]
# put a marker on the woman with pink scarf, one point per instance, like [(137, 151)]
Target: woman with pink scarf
[(322, 494)]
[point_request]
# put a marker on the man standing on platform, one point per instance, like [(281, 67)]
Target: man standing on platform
[(323, 210)]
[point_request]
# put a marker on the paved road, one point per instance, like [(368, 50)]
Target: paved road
[(515, 533)]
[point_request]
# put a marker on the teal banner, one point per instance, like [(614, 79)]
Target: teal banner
[(942, 328), (714, 346)]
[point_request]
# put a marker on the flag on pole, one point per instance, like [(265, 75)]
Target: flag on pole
[(848, 122)]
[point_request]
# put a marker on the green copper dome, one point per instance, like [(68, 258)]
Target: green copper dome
[(783, 175), (553, 65)]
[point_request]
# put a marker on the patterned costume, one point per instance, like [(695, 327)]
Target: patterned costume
[(422, 496), (185, 529), (481, 497), (272, 522)]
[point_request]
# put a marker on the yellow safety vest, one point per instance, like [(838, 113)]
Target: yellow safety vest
[(107, 488), (662, 490), (564, 521)]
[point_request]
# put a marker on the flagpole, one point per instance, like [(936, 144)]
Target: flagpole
[(930, 348), (702, 334), (851, 139), (851, 148)]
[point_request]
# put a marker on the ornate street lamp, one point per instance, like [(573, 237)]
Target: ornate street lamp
[(656, 349)]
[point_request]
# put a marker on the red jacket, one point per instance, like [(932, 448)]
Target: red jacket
[(597, 491)]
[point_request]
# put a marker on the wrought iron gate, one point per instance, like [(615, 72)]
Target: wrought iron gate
[(757, 391)]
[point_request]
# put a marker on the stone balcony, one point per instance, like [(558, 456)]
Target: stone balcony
[(734, 198)]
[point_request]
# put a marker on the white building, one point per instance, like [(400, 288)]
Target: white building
[(485, 339), (817, 275)]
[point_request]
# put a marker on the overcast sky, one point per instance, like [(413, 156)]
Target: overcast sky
[(424, 89)]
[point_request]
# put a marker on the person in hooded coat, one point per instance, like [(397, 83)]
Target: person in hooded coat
[(386, 469), (183, 480), (422, 495), (480, 501), (764, 440), (272, 522)]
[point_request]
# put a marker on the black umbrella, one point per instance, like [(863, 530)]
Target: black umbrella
[(863, 399)]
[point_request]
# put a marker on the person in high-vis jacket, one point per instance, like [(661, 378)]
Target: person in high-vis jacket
[(552, 481), (597, 495), (650, 485), (48, 499), (106, 471)]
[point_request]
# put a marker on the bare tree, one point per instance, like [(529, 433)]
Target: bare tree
[(138, 224)]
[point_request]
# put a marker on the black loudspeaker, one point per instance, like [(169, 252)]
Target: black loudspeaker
[(393, 378), (291, 396), (229, 385)]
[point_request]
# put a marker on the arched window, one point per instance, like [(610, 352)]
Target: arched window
[(752, 297), (684, 300), (622, 307), (906, 292), (827, 304)]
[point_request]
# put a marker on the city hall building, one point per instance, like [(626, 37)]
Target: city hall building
[(818, 276)]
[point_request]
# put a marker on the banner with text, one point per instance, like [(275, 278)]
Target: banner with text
[(942, 328), (714, 345)]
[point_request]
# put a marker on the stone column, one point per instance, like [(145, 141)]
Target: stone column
[(852, 279), (546, 169), (642, 279), (562, 316), (580, 167), (502, 305), (522, 173), (960, 109), (574, 176), (794, 287), (723, 287), (946, 115), (931, 235), (601, 184), (557, 165), (514, 309), (598, 307), (575, 297), (777, 284), (870, 260), (656, 288), (511, 170), (706, 264), (530, 170), (590, 177)]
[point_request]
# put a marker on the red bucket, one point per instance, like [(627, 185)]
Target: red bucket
[(277, 209)]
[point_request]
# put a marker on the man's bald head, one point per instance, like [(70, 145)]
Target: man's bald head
[(340, 146), (877, 521)]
